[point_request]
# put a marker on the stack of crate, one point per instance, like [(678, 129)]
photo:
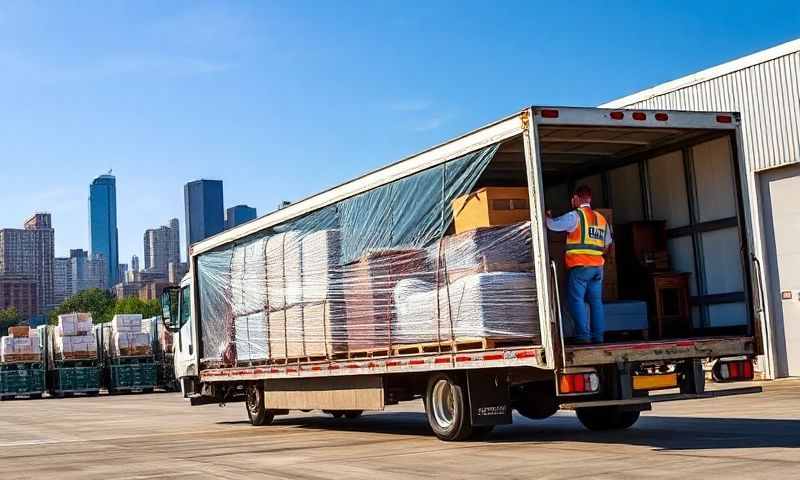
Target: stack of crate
[(128, 338), (20, 345), (74, 337)]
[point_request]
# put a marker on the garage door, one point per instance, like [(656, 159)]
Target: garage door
[(781, 217)]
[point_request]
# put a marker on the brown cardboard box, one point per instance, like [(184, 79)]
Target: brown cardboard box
[(19, 331), (491, 206)]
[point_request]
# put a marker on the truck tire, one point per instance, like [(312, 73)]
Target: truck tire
[(606, 418), (447, 408), (256, 410)]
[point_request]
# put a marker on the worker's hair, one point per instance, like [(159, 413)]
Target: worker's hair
[(584, 193)]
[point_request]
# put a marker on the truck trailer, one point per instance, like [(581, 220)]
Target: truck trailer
[(436, 278)]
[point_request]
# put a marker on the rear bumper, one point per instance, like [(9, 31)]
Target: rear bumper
[(669, 397), (616, 353)]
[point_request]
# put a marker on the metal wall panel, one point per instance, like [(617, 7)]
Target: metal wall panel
[(713, 172), (668, 189), (768, 97), (626, 194)]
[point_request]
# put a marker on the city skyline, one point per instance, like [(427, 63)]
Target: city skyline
[(165, 94)]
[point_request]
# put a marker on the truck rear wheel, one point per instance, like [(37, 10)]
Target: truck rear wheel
[(256, 409), (607, 418), (447, 408)]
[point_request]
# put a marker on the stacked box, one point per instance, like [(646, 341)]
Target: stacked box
[(127, 337), (482, 250), (71, 324), (20, 349), (277, 334), (251, 337), (19, 331), (73, 337), (284, 279), (369, 293), (324, 328), (294, 332), (248, 279), (497, 305)]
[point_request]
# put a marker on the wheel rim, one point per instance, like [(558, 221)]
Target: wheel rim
[(443, 404), (253, 399)]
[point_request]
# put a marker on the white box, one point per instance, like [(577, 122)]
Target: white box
[(128, 323)]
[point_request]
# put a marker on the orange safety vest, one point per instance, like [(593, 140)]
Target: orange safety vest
[(587, 242)]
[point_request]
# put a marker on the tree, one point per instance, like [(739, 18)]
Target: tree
[(99, 303), (147, 309), (8, 318)]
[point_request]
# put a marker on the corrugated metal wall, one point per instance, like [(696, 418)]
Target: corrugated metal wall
[(768, 97)]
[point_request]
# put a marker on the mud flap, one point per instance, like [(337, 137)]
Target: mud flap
[(489, 397)]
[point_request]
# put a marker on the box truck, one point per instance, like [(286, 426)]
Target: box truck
[(436, 278)]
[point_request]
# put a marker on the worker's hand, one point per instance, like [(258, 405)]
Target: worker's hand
[(548, 213)]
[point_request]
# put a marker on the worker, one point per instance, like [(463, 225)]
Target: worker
[(588, 238)]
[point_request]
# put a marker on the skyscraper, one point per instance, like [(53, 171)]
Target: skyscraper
[(162, 247), (135, 263), (87, 272), (238, 215), (204, 209), (62, 279), (30, 251), (103, 224)]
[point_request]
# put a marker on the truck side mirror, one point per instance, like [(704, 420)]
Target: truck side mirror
[(170, 299)]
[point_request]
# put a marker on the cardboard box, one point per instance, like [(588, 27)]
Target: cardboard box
[(491, 206), (19, 331), (74, 324)]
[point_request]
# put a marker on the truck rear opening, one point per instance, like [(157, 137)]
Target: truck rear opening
[(435, 277)]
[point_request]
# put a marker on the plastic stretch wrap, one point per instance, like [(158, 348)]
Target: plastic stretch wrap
[(370, 272), (20, 348), (71, 324)]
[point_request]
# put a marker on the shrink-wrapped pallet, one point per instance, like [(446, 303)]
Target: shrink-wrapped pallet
[(127, 323), (20, 349), (277, 334), (294, 332), (321, 252), (491, 249), (130, 344), (324, 329), (75, 347), (248, 277), (369, 294), (251, 337), (284, 279), (74, 324), (496, 305)]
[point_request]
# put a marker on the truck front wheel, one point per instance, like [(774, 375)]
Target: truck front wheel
[(447, 408), (606, 418), (256, 409)]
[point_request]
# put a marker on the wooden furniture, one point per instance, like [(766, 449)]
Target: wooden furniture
[(670, 303)]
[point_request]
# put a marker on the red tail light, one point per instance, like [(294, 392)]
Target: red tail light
[(724, 118), (733, 370), (571, 383), (616, 115), (662, 117), (639, 116), (549, 113)]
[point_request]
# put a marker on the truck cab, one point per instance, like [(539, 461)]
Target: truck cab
[(176, 303)]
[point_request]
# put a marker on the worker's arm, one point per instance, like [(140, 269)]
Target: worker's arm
[(564, 223)]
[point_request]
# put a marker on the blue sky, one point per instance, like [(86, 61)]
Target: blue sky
[(283, 99)]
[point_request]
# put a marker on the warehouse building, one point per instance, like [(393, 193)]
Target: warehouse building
[(765, 88)]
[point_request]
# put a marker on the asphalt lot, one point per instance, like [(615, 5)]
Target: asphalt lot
[(157, 436)]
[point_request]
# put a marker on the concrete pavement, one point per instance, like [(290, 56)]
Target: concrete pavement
[(158, 436)]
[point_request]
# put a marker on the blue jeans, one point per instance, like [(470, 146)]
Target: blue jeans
[(585, 285)]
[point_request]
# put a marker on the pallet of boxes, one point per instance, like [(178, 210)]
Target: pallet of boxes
[(161, 344), (22, 366), (129, 360), (70, 347)]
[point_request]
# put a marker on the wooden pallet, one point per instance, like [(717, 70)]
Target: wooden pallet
[(368, 353), (458, 345)]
